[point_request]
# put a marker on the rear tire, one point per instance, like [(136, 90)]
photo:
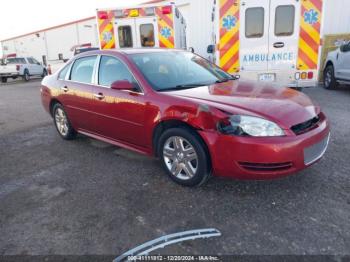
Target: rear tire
[(26, 76), (3, 79), (62, 123), (184, 157), (329, 80)]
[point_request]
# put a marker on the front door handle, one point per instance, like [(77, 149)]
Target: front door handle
[(99, 96), (278, 45), (64, 89)]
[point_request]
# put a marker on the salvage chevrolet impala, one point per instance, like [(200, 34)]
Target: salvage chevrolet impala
[(197, 119)]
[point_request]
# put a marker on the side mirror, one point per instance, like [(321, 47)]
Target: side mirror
[(191, 49), (122, 85), (210, 49)]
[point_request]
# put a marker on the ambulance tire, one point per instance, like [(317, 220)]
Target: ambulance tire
[(329, 80), (3, 79)]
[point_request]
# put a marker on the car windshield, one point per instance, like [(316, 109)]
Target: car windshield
[(178, 70)]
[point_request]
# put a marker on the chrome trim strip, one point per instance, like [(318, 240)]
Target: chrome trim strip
[(166, 240)]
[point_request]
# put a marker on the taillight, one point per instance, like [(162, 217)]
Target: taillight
[(166, 10), (17, 67), (304, 75), (310, 75)]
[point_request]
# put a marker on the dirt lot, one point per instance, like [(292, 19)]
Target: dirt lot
[(87, 197)]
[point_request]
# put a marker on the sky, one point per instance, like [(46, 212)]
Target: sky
[(22, 16)]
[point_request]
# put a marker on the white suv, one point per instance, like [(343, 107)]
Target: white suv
[(337, 67), (25, 67)]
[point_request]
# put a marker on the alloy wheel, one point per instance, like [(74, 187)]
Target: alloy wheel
[(328, 78), (61, 122), (180, 157)]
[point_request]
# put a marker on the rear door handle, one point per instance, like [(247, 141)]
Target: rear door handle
[(278, 45), (64, 89), (99, 96)]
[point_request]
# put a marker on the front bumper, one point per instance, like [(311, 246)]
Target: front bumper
[(265, 158)]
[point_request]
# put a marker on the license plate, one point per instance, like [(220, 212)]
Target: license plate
[(267, 77)]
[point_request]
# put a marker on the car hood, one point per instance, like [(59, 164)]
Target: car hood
[(285, 106)]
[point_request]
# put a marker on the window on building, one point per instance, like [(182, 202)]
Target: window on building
[(254, 22), (147, 35), (82, 69), (125, 36), (284, 20)]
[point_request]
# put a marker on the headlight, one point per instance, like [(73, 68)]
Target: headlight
[(249, 126)]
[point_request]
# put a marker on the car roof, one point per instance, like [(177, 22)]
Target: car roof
[(128, 51)]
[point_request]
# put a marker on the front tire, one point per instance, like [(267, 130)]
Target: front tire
[(26, 75), (3, 79), (62, 123), (328, 78), (184, 157)]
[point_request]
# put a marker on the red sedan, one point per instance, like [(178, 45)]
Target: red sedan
[(199, 120)]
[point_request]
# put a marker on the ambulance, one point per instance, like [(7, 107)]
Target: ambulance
[(157, 25), (275, 40)]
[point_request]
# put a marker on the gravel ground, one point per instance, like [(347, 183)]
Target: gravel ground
[(87, 197)]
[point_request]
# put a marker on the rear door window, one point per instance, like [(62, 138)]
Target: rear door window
[(83, 69), (125, 36), (284, 20), (254, 22), (62, 75)]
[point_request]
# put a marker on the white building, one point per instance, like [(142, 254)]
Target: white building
[(50, 43), (54, 42)]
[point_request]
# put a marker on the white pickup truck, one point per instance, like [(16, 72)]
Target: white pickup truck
[(24, 67), (337, 67), (55, 65)]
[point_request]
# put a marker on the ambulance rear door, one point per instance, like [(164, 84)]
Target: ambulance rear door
[(283, 35), (125, 33), (254, 35), (146, 29)]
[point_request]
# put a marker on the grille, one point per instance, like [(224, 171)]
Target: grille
[(306, 126), (263, 167), (316, 151)]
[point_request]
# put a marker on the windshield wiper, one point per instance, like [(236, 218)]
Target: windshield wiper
[(182, 87), (222, 80), (226, 79)]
